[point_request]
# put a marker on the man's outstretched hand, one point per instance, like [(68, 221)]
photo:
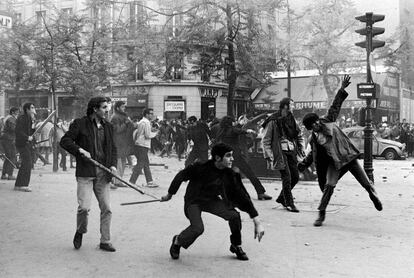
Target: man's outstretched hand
[(258, 229), (345, 81), (166, 197)]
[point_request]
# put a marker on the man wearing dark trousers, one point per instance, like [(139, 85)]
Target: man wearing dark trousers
[(215, 188), (199, 133), (92, 137), (333, 153), (230, 135), (282, 142), (24, 138), (8, 139)]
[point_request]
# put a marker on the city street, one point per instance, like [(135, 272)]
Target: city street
[(356, 241)]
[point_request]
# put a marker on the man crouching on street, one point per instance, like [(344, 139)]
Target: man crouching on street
[(92, 137), (215, 188)]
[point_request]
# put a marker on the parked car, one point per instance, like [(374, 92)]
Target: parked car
[(388, 149)]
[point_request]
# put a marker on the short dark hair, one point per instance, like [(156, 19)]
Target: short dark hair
[(285, 101), (309, 120), (192, 119), (226, 121), (14, 109), (147, 111), (93, 103), (118, 104), (220, 149), (26, 107)]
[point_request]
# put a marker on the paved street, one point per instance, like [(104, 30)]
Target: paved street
[(357, 241)]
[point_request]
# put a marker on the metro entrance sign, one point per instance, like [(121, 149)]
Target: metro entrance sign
[(368, 90)]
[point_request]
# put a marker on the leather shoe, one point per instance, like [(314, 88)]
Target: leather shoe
[(374, 198), (175, 249), (318, 222), (23, 188), (264, 197), (241, 255), (77, 240), (292, 208), (281, 201), (107, 247)]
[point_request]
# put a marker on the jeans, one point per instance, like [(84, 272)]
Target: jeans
[(25, 170), (196, 228), (141, 154), (241, 163), (120, 165), (10, 153), (290, 177), (333, 175), (100, 187)]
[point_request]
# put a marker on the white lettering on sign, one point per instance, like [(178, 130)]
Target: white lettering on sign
[(5, 21), (174, 106), (366, 86), (124, 99)]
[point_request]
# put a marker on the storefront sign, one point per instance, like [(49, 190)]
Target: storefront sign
[(208, 92), (5, 21), (124, 99), (172, 106)]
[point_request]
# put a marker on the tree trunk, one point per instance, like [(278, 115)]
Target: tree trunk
[(232, 63)]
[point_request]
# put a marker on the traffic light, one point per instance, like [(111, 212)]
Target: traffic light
[(370, 32)]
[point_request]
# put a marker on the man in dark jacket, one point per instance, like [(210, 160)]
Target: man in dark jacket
[(24, 137), (215, 188), (199, 133), (123, 129), (8, 139), (282, 143), (92, 137), (333, 153), (230, 135)]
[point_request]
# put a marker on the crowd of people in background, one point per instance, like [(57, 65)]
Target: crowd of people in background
[(187, 139)]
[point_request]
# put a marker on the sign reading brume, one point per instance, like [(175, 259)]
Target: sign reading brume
[(174, 105)]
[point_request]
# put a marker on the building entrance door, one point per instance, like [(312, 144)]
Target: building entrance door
[(208, 108)]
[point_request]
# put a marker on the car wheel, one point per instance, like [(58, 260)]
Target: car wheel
[(390, 154)]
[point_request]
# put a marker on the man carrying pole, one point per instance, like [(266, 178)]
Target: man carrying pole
[(215, 188), (92, 137)]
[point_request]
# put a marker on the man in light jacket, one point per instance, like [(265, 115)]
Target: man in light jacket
[(142, 138)]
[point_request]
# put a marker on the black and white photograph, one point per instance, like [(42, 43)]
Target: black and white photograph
[(207, 138)]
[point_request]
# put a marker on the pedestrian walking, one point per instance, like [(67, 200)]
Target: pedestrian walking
[(8, 138), (123, 131), (61, 129), (92, 137), (142, 139), (230, 135), (215, 188), (199, 134), (25, 125), (282, 143), (333, 153)]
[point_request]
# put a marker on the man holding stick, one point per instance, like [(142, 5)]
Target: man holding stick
[(92, 137), (215, 188)]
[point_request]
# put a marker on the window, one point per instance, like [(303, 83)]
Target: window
[(18, 18), (40, 16), (136, 14), (67, 11)]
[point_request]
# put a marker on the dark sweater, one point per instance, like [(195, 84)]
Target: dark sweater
[(206, 182)]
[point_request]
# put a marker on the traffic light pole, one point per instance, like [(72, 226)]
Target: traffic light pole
[(368, 130)]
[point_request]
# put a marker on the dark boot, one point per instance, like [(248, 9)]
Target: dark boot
[(374, 197), (318, 222)]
